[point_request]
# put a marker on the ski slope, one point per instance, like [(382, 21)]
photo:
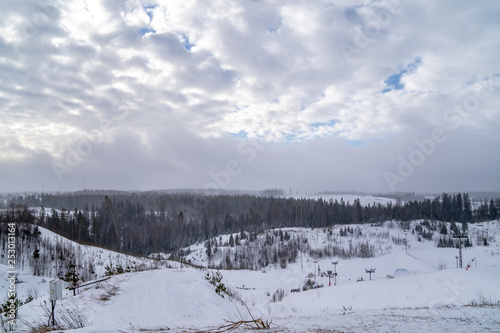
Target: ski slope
[(434, 297)]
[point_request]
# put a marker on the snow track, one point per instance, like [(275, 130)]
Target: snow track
[(162, 299)]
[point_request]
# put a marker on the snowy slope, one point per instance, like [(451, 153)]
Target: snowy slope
[(86, 257), (158, 299), (434, 297)]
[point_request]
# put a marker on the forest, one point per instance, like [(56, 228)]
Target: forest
[(149, 222)]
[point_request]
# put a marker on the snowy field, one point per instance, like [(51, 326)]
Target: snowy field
[(434, 296)]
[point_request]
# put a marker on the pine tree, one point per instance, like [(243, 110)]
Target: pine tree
[(493, 211), (205, 228), (208, 249), (458, 209), (444, 230), (215, 232), (180, 218), (70, 275), (446, 207), (36, 263), (467, 208), (231, 240)]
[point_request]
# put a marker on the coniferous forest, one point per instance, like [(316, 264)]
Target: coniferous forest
[(146, 222)]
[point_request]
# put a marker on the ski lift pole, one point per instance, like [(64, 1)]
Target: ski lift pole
[(460, 236), (335, 263)]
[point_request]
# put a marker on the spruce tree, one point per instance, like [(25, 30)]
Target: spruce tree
[(70, 275), (444, 230), (459, 209), (493, 211), (208, 249), (36, 263)]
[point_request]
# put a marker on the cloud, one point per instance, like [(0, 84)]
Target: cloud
[(167, 91)]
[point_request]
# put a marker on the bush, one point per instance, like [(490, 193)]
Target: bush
[(215, 280)]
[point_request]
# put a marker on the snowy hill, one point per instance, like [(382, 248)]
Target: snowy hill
[(434, 297), (147, 301), (91, 261)]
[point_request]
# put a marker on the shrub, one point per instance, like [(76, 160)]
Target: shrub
[(215, 280)]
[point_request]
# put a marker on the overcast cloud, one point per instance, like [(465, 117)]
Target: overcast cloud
[(374, 96)]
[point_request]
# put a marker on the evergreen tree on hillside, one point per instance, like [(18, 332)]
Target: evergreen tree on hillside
[(180, 218), (70, 277), (149, 221), (493, 211), (446, 207), (458, 210), (36, 261), (467, 208), (208, 250)]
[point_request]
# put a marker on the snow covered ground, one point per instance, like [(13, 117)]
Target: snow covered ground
[(435, 297)]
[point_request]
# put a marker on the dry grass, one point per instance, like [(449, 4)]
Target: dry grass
[(66, 319), (231, 325), (109, 291)]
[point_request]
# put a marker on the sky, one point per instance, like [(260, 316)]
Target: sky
[(373, 96)]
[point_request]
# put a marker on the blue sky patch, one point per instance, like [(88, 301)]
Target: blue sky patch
[(240, 134), (393, 82), (324, 123), (187, 45), (149, 11), (144, 31)]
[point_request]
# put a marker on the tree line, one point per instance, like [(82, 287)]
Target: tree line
[(146, 222)]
